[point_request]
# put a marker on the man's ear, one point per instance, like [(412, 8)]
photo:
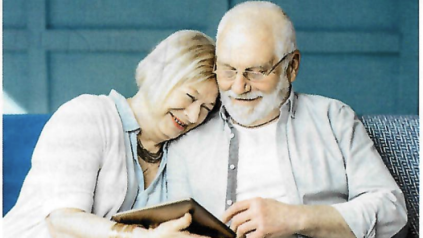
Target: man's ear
[(294, 66)]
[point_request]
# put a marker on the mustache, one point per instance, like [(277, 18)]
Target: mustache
[(246, 96)]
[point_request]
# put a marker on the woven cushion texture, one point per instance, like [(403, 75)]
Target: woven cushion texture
[(397, 140)]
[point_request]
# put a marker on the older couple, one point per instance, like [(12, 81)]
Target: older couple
[(272, 162)]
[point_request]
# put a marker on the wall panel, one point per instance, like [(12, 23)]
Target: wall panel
[(111, 14), (14, 12), (362, 52), (18, 83), (367, 82), (94, 73)]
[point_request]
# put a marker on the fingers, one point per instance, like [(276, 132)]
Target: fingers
[(256, 234), (246, 228), (178, 224), (240, 219), (235, 209)]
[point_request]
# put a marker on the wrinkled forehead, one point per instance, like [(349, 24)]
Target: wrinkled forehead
[(243, 46)]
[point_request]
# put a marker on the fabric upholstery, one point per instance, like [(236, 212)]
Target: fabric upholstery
[(397, 140), (20, 134)]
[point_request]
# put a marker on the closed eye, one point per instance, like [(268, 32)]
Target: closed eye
[(192, 97), (256, 71), (208, 109)]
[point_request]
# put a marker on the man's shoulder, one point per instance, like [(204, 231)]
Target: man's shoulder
[(214, 127), (322, 110), (317, 99), (319, 103)]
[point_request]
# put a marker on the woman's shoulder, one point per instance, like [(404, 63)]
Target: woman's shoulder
[(87, 105), (86, 109), (89, 102)]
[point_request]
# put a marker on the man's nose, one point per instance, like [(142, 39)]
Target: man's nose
[(192, 112), (241, 84)]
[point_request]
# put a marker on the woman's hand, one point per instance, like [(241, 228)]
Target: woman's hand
[(70, 222), (173, 228)]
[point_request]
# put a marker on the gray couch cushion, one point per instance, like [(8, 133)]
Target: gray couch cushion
[(397, 140)]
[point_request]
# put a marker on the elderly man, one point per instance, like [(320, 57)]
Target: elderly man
[(278, 163)]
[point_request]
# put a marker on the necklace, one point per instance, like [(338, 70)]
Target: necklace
[(147, 156), (265, 123)]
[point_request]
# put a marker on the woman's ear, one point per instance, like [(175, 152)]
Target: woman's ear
[(294, 66)]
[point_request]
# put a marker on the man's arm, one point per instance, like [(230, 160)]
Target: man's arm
[(260, 217), (375, 206)]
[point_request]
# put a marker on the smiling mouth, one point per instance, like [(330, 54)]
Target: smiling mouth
[(246, 99), (178, 123)]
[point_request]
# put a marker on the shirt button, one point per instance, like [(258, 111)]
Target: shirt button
[(232, 166), (232, 135), (229, 202)]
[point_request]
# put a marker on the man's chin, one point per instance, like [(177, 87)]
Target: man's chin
[(244, 116), (245, 113)]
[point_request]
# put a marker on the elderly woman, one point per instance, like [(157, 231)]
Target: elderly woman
[(99, 155)]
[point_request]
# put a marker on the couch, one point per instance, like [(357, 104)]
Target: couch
[(395, 137)]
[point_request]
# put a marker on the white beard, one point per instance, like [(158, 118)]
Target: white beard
[(247, 115)]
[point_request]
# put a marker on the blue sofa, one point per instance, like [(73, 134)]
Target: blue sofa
[(395, 137)]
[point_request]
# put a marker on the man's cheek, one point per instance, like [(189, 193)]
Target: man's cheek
[(224, 86)]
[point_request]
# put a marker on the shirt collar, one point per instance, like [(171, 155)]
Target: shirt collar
[(291, 102), (127, 117), (289, 106)]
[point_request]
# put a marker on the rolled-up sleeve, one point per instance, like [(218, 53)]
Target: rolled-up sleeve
[(376, 205)]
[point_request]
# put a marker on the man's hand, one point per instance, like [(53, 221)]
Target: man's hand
[(259, 217)]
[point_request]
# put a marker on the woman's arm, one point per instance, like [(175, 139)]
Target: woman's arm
[(71, 222), (75, 223)]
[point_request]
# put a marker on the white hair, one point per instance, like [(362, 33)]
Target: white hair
[(269, 14), (185, 56)]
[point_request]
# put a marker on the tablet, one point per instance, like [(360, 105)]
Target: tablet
[(203, 222)]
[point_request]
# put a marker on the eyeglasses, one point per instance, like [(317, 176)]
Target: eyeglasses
[(250, 75)]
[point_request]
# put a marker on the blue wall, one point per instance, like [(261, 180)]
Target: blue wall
[(362, 52)]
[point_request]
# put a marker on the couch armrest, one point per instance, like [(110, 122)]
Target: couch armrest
[(397, 140)]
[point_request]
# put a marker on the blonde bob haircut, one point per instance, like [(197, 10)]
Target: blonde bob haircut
[(186, 56)]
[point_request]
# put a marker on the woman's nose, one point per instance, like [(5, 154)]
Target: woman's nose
[(193, 112)]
